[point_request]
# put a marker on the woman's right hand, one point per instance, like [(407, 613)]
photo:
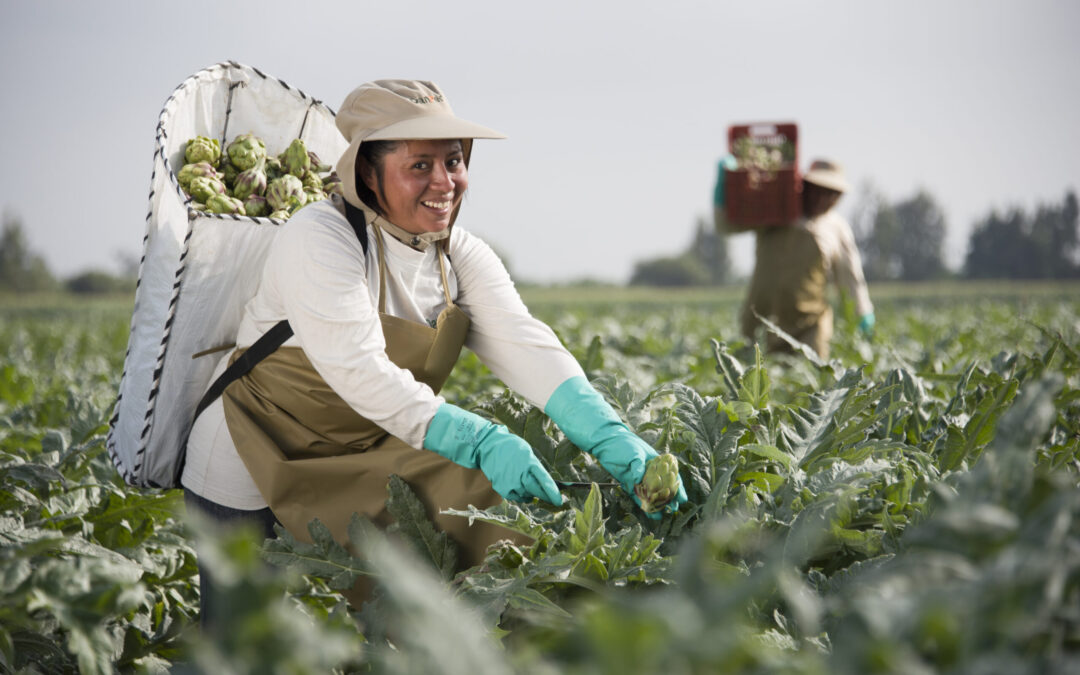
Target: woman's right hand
[(507, 460)]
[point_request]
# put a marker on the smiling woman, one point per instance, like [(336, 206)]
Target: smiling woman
[(418, 183), (375, 313)]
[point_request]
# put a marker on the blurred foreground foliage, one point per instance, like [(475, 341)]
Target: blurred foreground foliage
[(910, 506)]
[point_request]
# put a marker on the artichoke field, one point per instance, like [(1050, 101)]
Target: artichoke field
[(911, 506)]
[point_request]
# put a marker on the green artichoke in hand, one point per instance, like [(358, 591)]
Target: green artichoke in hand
[(295, 159), (246, 152), (202, 149), (225, 204), (286, 193), (660, 483)]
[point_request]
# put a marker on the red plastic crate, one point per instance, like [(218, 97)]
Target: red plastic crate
[(763, 197)]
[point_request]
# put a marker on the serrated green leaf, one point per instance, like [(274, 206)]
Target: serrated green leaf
[(413, 523)]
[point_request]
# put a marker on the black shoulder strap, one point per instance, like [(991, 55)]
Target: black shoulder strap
[(263, 347), (355, 217)]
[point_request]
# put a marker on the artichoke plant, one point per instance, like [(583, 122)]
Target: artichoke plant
[(295, 159), (201, 188), (286, 193), (256, 206), (202, 149), (246, 152), (660, 483)]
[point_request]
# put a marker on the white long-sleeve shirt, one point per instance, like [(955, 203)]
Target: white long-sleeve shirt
[(319, 278)]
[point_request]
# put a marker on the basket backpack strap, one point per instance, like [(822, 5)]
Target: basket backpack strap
[(263, 347)]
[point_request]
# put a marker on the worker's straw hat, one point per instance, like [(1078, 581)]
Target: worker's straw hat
[(827, 174)]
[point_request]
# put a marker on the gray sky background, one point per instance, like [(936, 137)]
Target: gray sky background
[(617, 110)]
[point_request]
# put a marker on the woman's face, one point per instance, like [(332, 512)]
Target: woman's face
[(423, 181)]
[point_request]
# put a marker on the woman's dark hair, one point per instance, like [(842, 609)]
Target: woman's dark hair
[(372, 153)]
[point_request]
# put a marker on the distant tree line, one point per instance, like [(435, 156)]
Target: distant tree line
[(905, 240), (703, 263), (23, 271)]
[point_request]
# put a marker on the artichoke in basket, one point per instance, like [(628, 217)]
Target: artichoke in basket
[(246, 151), (228, 172), (295, 159), (317, 166), (313, 196), (256, 206), (660, 483), (225, 204), (249, 182), (286, 193), (332, 185), (280, 214), (273, 167), (189, 171), (312, 182), (202, 149), (201, 188)]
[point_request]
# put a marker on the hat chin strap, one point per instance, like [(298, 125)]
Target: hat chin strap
[(419, 241)]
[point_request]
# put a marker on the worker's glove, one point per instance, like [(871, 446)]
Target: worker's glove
[(507, 460), (591, 424), (726, 162), (866, 324)]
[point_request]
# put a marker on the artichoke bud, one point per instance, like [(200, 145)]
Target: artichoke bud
[(660, 483), (312, 182), (201, 188), (313, 196), (317, 165), (228, 172), (202, 149), (296, 159), (249, 182), (189, 171), (246, 152), (256, 206), (332, 185), (283, 190), (273, 168), (280, 214), (225, 204)]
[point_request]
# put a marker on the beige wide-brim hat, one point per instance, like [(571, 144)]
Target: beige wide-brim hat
[(827, 174), (396, 110)]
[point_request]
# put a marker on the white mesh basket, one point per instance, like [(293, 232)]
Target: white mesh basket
[(198, 269)]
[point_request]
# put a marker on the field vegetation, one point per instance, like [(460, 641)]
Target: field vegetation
[(909, 506)]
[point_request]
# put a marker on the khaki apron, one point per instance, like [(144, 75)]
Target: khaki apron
[(789, 287), (312, 456)]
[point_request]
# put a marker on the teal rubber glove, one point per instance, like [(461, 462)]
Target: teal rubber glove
[(591, 424), (726, 162), (507, 460), (866, 324)]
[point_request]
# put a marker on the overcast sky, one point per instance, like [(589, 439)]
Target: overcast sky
[(616, 110)]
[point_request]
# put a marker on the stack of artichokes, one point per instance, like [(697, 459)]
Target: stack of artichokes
[(246, 180)]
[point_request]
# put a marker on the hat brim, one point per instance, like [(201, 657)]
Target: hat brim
[(826, 180), (428, 127)]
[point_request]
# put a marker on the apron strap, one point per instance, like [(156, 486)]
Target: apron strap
[(440, 254), (263, 347), (380, 247)]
